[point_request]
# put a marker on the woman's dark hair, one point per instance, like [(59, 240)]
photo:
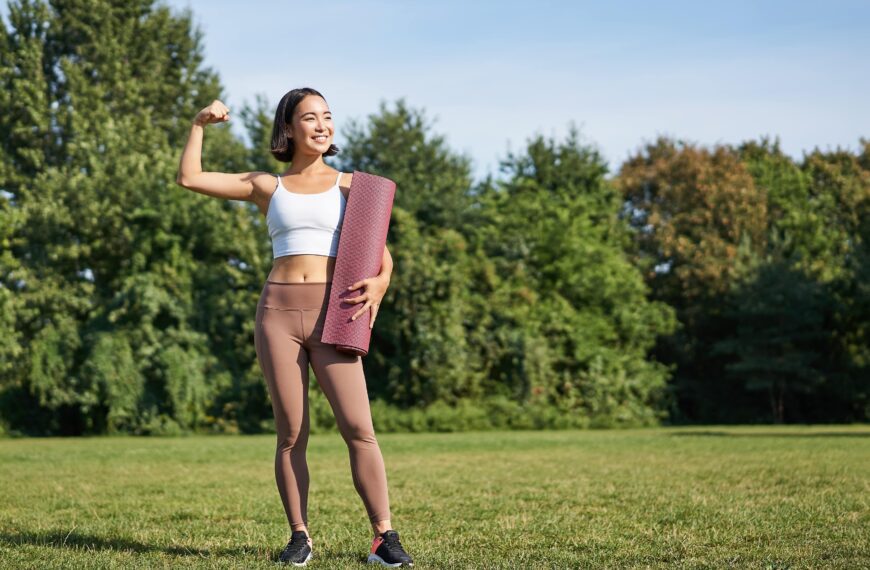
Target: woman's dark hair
[(282, 145)]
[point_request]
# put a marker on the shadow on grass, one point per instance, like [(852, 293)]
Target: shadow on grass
[(65, 539), (716, 433)]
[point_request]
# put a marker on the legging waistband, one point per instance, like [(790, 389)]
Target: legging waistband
[(299, 295)]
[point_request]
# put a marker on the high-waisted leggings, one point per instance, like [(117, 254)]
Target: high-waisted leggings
[(289, 323)]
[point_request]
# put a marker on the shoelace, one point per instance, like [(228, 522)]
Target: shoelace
[(394, 546), (296, 544)]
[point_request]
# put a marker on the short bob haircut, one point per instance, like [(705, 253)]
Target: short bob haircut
[(282, 145)]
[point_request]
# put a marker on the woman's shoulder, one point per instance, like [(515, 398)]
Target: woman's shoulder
[(264, 182)]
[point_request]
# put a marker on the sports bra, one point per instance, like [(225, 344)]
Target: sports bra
[(305, 223)]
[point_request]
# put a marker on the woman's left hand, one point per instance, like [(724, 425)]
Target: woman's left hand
[(375, 288)]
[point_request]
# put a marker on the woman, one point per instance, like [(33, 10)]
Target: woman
[(304, 222)]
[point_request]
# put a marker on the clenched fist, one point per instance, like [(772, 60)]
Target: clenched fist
[(217, 112)]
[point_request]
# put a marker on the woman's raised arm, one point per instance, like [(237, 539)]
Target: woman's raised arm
[(229, 186)]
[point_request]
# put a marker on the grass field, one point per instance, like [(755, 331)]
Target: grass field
[(711, 497)]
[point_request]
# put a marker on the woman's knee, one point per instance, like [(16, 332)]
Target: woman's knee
[(359, 434), (292, 439)]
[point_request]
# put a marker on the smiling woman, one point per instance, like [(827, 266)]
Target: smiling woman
[(304, 222)]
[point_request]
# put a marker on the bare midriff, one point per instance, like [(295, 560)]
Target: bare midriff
[(302, 268)]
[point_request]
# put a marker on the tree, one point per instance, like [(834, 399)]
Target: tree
[(129, 292), (696, 216), (432, 180), (690, 208), (566, 317), (781, 322)]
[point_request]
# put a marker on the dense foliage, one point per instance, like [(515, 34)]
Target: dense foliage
[(766, 262), (724, 284)]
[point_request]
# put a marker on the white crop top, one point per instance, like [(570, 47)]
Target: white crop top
[(305, 223)]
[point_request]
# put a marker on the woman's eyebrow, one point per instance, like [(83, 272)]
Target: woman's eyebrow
[(313, 113)]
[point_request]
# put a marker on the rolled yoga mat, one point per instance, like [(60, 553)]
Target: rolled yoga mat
[(360, 253)]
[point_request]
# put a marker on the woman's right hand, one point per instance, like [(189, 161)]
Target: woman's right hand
[(217, 112)]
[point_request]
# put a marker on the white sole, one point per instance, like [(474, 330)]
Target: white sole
[(303, 563)]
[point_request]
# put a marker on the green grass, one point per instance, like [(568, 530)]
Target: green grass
[(712, 497)]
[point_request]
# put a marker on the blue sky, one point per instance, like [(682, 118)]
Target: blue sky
[(492, 74)]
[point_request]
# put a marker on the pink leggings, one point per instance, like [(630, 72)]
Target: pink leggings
[(289, 323)]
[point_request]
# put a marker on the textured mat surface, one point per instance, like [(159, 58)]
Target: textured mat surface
[(360, 252)]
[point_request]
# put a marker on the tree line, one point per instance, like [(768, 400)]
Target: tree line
[(690, 284)]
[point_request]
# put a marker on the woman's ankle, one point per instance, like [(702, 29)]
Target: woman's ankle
[(296, 527), (382, 526)]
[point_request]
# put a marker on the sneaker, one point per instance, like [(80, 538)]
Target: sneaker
[(388, 551), (298, 550)]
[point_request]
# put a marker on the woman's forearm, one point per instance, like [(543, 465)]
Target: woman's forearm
[(191, 156), (386, 265)]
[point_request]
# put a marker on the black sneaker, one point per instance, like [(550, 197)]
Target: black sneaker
[(388, 551), (298, 550)]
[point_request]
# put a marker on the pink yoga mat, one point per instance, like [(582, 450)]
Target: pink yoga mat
[(360, 252)]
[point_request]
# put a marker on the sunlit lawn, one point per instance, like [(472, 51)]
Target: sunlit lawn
[(712, 497)]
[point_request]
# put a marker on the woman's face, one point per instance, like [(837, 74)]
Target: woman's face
[(312, 129)]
